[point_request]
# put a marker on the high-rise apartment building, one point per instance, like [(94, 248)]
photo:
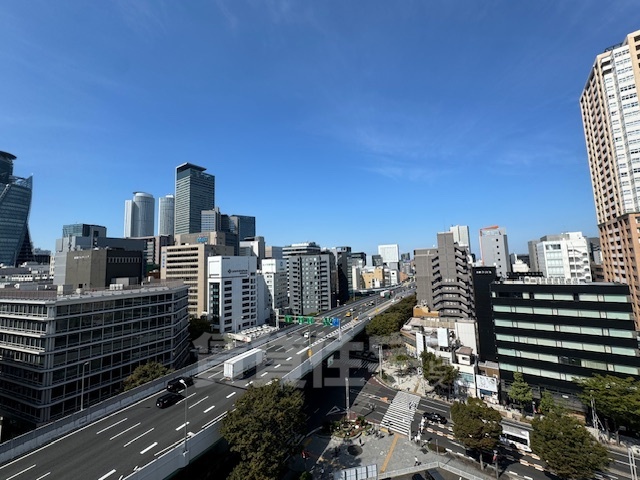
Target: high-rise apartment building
[(611, 120), (309, 283), (195, 192), (389, 253), (494, 249), (139, 215), (166, 215), (443, 277), (274, 272), (15, 204), (562, 256)]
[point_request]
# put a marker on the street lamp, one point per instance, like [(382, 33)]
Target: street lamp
[(84, 365), (185, 415), (346, 384)]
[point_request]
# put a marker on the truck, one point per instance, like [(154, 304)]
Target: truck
[(238, 366), (385, 293)]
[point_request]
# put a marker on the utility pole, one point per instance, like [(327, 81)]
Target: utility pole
[(346, 384)]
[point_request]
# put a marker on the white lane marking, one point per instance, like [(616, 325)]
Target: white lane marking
[(105, 429), (192, 395), (528, 478), (45, 475), (209, 409), (269, 382), (199, 401), (288, 359), (182, 426), (288, 350), (277, 366), (264, 374), (20, 473), (302, 351), (108, 474), (231, 394), (148, 448), (139, 436), (125, 431), (215, 373)]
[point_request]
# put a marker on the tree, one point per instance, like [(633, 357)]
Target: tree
[(263, 428), (567, 447), (520, 391), (198, 326), (476, 425), (617, 399), (145, 373), (548, 405), (392, 319), (436, 372)]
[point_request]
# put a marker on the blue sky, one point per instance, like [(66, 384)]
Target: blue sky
[(345, 123)]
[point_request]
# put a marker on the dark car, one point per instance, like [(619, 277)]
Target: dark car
[(176, 384), (434, 417), (168, 399)]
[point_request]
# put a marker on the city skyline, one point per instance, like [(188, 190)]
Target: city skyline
[(440, 115)]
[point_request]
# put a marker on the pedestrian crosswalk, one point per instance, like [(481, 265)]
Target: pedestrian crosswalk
[(400, 413)]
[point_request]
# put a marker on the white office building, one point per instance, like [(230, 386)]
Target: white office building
[(233, 293), (461, 235), (139, 215), (563, 256), (275, 275), (389, 253), (494, 249)]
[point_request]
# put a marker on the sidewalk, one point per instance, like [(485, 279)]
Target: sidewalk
[(391, 453)]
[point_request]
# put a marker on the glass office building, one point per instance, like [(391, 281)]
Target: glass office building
[(15, 203)]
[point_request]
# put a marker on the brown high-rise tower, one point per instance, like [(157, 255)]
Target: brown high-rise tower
[(611, 119)]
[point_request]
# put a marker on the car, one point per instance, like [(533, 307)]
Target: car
[(176, 385), (434, 417), (306, 335), (168, 399)]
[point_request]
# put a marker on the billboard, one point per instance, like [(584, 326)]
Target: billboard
[(489, 384)]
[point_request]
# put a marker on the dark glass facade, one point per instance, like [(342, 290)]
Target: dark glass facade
[(554, 334), (15, 203)]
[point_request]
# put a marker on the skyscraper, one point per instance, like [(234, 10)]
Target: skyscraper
[(389, 253), (494, 249), (139, 215), (611, 120), (461, 235), (242, 225), (195, 191), (166, 212), (15, 204)]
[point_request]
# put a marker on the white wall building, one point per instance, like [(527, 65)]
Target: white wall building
[(494, 249), (275, 275), (232, 293), (389, 253), (564, 256), (461, 235)]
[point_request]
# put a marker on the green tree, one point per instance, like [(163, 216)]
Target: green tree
[(615, 398), (476, 425), (567, 447), (437, 373), (548, 405), (520, 391), (145, 373), (263, 429), (392, 319)]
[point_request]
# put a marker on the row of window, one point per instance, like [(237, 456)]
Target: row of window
[(547, 342), (538, 372), (563, 360), (563, 312), (32, 310), (27, 326), (577, 329)]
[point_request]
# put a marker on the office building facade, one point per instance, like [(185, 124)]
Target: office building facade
[(494, 249), (195, 192), (166, 215), (83, 230), (556, 333), (461, 235), (390, 254), (61, 350), (274, 272), (562, 256), (242, 225), (139, 215), (611, 121), (15, 205)]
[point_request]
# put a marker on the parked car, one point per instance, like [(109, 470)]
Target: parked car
[(434, 417), (168, 399), (176, 385)]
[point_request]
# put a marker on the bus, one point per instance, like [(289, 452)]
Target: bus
[(516, 437)]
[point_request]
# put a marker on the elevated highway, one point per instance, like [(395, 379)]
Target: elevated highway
[(129, 437)]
